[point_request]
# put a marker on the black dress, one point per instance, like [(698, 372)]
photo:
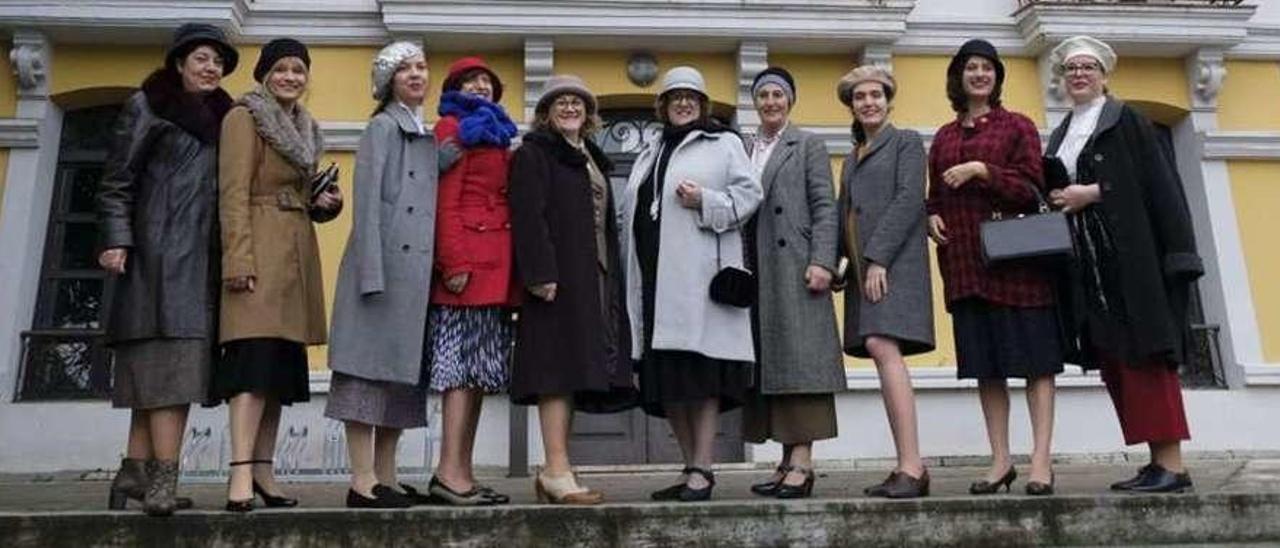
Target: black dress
[(275, 368), (675, 376)]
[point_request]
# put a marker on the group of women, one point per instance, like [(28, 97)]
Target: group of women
[(703, 286)]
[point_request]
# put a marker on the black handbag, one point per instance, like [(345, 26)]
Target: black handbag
[(732, 285), (1044, 236)]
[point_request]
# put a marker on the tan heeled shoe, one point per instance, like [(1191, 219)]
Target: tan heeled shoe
[(564, 490)]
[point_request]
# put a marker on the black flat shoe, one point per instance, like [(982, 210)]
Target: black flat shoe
[(1038, 489), (472, 497), (240, 506), (802, 491), (1160, 480), (496, 497), (417, 498), (881, 489), (906, 487), (672, 492), (984, 487), (1128, 484), (688, 494), (273, 501), (383, 497), (770, 488)]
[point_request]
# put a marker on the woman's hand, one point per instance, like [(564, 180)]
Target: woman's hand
[(546, 292), (330, 199), (960, 174), (937, 230), (877, 283), (1074, 198), (690, 194), (817, 279), (241, 284), (113, 260), (457, 283)]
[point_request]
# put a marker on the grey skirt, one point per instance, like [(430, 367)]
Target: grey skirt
[(156, 373), (376, 403)]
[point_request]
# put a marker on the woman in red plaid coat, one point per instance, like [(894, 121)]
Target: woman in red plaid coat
[(1004, 318)]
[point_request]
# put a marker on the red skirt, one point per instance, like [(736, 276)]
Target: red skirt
[(1148, 400)]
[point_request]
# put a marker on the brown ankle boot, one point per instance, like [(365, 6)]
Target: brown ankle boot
[(161, 500), (131, 482)]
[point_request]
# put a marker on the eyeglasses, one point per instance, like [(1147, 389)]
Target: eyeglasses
[(569, 102), (683, 97), (1082, 68)]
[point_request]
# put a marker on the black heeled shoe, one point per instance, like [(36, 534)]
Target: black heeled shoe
[(417, 498), (1039, 489), (1126, 485), (672, 492), (271, 501), (802, 491), (688, 494), (240, 506), (770, 488), (984, 487), (1160, 480)]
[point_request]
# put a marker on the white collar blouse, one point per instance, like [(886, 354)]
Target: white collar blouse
[(1084, 120)]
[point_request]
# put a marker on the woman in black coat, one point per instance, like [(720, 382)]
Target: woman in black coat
[(1137, 260), (158, 207), (572, 348)]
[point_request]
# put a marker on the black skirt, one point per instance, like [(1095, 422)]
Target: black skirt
[(275, 368), (999, 342), (676, 376)]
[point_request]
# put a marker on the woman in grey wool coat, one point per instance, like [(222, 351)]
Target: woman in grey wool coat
[(792, 248), (379, 386), (889, 306)]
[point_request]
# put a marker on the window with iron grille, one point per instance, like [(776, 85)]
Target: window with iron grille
[(64, 355)]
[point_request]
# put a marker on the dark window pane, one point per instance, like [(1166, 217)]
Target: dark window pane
[(83, 187), (77, 304), (64, 367), (79, 241)]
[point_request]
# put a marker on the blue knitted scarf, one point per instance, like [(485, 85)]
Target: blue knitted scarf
[(480, 122)]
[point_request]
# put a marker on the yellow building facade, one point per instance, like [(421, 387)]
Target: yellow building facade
[(1209, 73)]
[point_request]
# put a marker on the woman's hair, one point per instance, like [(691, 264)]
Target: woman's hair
[(955, 89), (860, 134), (542, 120), (382, 103), (704, 108)]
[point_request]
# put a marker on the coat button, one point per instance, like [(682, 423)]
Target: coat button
[(1097, 157), (411, 174), (777, 210), (782, 243), (506, 225), (480, 228), (502, 191), (404, 248), (410, 210)]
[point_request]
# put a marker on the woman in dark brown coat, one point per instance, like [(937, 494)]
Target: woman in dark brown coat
[(572, 346)]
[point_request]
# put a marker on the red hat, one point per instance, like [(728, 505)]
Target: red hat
[(460, 68)]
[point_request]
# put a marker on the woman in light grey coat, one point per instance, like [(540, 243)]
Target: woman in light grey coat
[(689, 193), (889, 306), (380, 310), (794, 254)]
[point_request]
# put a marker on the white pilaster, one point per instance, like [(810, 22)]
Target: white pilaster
[(539, 62), (753, 57), (28, 192)]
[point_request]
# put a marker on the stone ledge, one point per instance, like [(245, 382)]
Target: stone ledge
[(1078, 519)]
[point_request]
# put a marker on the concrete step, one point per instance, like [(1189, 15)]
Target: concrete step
[(1235, 503)]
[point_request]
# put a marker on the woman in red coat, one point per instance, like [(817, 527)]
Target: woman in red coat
[(469, 326)]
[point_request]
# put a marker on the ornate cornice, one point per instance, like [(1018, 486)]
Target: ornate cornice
[(1154, 28)]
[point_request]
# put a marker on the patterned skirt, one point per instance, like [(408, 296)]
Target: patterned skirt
[(469, 347)]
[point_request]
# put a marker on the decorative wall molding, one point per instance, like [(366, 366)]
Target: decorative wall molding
[(342, 136), (30, 58), (1164, 29), (762, 19), (880, 55), (1206, 69), (539, 64), (753, 57), (19, 133), (933, 36), (1242, 145), (1261, 43), (1264, 374)]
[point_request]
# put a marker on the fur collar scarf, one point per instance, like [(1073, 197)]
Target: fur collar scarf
[(480, 122), (197, 114), (295, 135), (566, 153)]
